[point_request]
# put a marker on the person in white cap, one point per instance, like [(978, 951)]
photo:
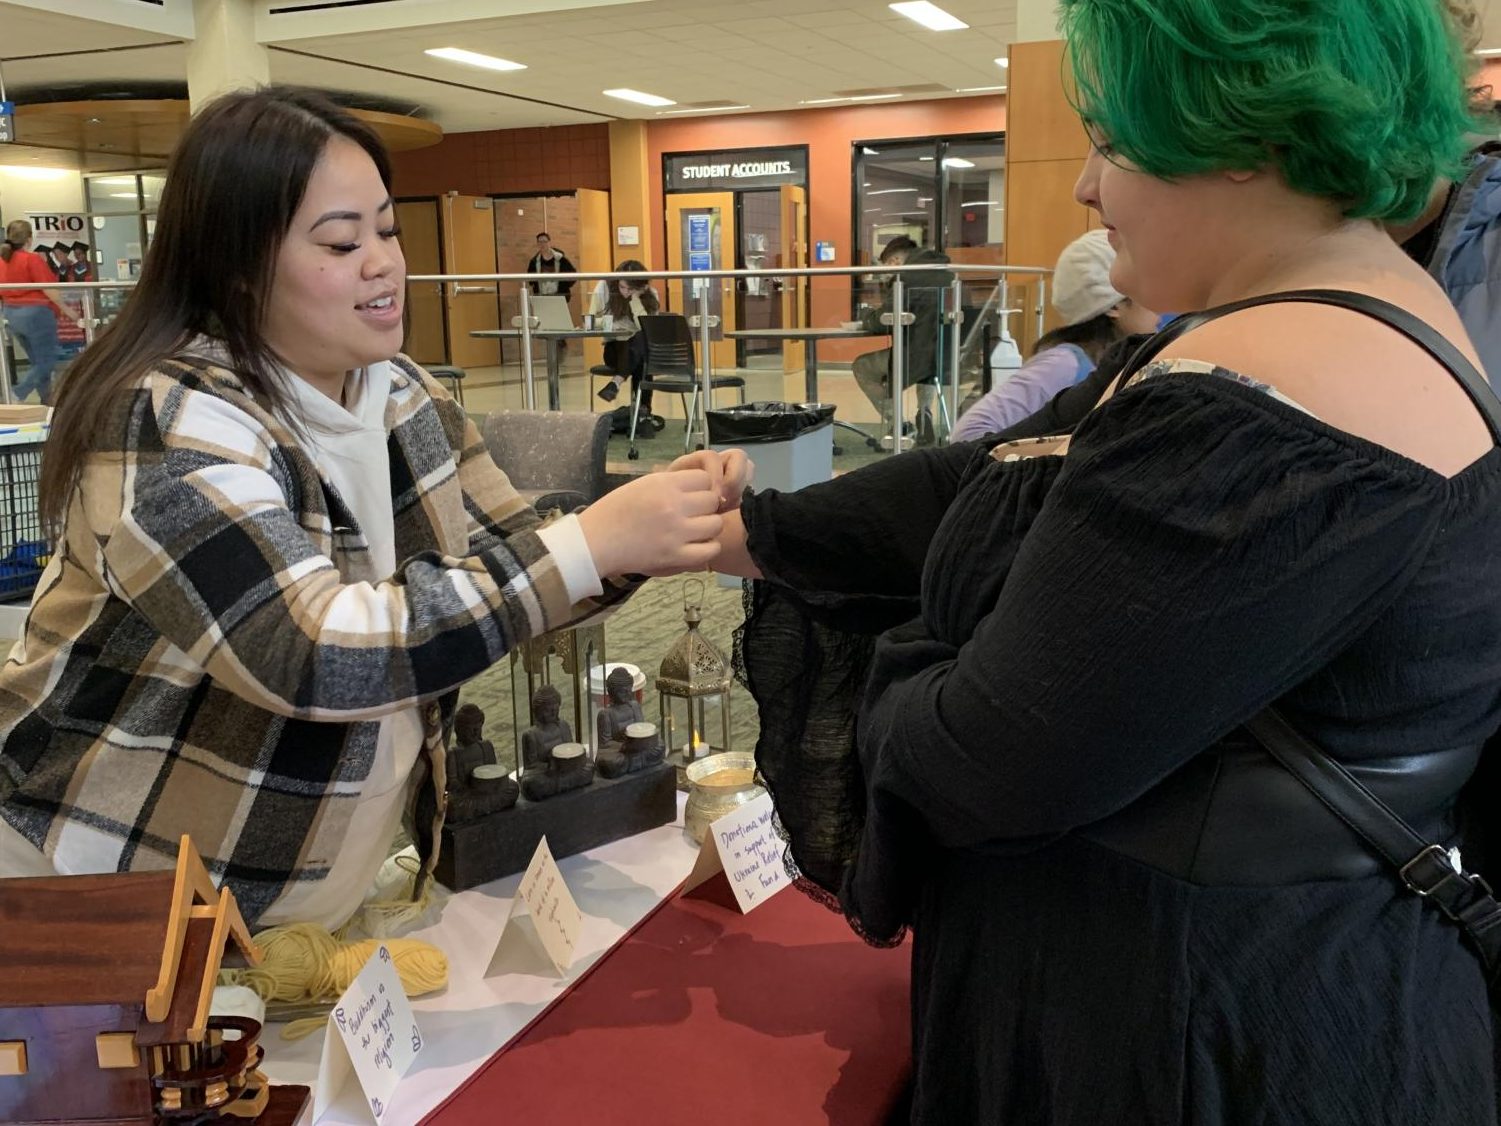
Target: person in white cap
[(1094, 315)]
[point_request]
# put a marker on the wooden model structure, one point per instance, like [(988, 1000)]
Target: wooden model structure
[(105, 987)]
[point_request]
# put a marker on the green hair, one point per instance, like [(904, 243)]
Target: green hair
[(1361, 101)]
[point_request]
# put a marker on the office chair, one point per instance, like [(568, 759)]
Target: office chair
[(555, 459), (453, 376), (671, 367)]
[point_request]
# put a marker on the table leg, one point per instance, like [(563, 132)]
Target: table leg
[(554, 374), (810, 381)]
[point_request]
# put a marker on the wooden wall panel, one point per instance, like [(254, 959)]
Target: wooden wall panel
[(1045, 151), (1041, 123)]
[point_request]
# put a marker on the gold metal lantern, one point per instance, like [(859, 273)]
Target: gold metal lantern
[(693, 690)]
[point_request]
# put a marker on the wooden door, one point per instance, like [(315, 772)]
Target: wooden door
[(794, 250), (594, 246), (701, 229), (469, 248), (427, 334)]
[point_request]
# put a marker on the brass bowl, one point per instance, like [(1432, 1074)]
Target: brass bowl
[(716, 786)]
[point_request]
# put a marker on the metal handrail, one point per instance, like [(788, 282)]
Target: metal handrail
[(529, 392)]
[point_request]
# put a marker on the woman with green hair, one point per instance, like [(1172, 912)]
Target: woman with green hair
[(1005, 692)]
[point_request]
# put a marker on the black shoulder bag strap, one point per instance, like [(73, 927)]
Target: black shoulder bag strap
[(1415, 329), (1428, 870)]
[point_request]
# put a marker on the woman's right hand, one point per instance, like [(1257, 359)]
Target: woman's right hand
[(658, 524)]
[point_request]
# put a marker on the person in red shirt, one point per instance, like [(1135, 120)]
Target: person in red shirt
[(31, 313)]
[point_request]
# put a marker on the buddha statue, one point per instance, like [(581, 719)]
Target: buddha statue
[(640, 748), (546, 731), (477, 784), (567, 767), (620, 713)]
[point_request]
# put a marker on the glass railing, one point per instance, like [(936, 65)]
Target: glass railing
[(776, 332)]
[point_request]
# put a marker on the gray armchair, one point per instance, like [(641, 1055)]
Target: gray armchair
[(555, 459)]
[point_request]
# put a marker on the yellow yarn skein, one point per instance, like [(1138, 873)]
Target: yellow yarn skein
[(304, 963)]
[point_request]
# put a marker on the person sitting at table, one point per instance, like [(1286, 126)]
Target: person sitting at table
[(624, 301), (281, 545), (1095, 316), (924, 300)]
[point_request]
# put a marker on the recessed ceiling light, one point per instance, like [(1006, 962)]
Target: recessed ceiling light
[(473, 58), (700, 109), (22, 172), (931, 16), (891, 191), (925, 158), (981, 203), (1003, 62), (122, 195), (978, 89), (628, 95), (1489, 52), (848, 98), (957, 162)]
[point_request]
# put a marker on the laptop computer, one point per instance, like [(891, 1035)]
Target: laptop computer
[(553, 313)]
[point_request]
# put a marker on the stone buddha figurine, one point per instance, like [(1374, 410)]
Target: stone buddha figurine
[(567, 767), (640, 748), (620, 713), (477, 784), (547, 730)]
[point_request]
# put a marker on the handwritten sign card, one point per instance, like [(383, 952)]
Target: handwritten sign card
[(744, 846), (371, 1034), (543, 899)]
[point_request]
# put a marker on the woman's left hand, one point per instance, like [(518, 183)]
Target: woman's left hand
[(729, 470)]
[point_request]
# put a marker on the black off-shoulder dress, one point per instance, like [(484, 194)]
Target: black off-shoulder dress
[(1061, 638)]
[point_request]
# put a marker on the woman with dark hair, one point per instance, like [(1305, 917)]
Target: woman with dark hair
[(31, 313), (1095, 316), (623, 301), (281, 547), (1050, 764)]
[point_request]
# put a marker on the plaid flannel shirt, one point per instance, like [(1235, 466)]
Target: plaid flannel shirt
[(209, 651)]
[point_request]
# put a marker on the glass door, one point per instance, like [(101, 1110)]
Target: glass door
[(701, 236)]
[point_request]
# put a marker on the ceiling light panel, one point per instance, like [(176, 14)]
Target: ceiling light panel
[(931, 16), (473, 58), (628, 95)]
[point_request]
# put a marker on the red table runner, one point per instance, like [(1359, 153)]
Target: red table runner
[(705, 1015)]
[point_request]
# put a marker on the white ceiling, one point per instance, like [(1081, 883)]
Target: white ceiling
[(770, 54)]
